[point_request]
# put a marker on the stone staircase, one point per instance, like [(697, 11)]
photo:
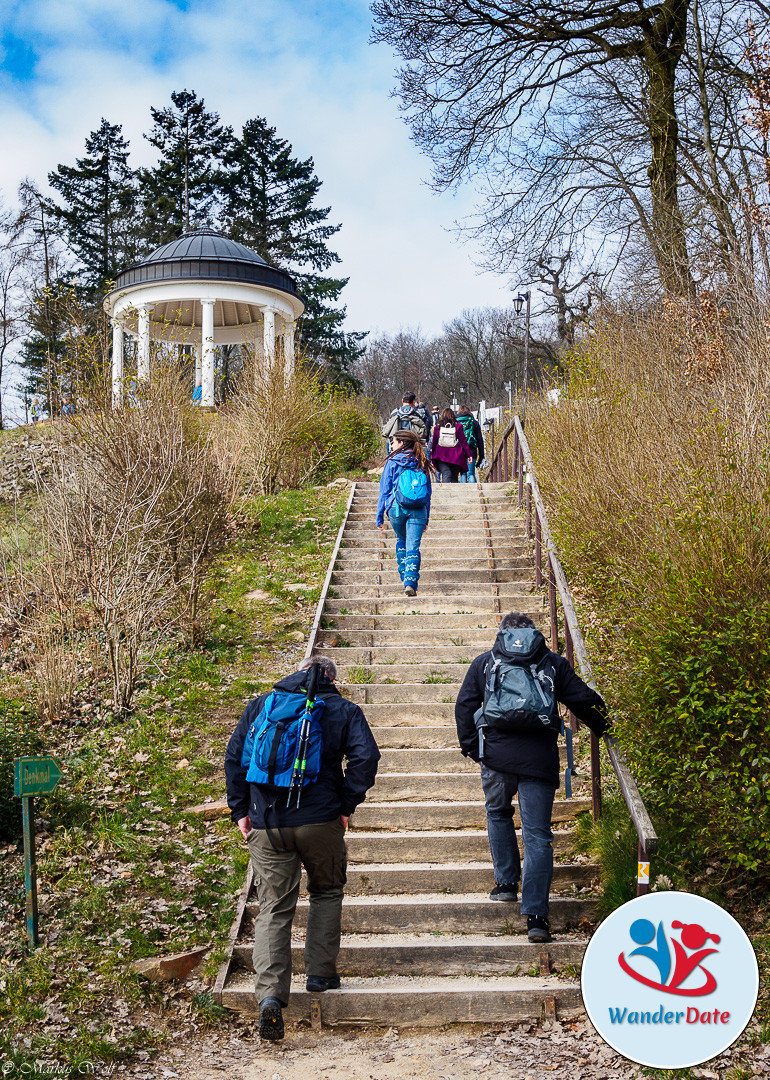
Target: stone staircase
[(422, 943)]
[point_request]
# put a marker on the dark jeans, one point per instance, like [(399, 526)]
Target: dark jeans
[(321, 850), (448, 473), (535, 808)]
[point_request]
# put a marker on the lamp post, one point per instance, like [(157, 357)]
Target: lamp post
[(518, 304), (509, 387)]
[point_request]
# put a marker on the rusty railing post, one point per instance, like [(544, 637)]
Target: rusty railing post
[(569, 653), (538, 550), (528, 513), (552, 606), (521, 475), (596, 779), (506, 473)]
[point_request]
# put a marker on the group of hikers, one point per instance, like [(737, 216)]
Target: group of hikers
[(303, 757), (507, 721), (454, 442), (422, 445)]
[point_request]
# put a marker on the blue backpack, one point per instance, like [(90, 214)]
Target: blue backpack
[(284, 743), (412, 489)]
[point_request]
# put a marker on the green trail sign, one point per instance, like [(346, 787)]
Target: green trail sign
[(35, 776), (32, 776)]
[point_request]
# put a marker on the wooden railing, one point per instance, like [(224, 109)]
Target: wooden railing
[(512, 461)]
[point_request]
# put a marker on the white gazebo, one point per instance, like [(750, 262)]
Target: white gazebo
[(202, 290)]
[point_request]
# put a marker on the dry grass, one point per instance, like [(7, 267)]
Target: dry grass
[(657, 456), (282, 429)]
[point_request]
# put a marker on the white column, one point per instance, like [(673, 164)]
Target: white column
[(288, 346), (198, 367), (207, 350), (268, 335), (143, 364), (117, 363)]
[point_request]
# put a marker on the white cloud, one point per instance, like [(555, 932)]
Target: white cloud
[(314, 78)]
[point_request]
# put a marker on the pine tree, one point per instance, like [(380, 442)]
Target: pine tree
[(180, 192), (269, 205), (97, 213)]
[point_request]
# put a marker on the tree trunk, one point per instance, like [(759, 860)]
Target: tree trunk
[(663, 50)]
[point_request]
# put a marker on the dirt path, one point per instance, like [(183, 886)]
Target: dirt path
[(526, 1053), (572, 1051)]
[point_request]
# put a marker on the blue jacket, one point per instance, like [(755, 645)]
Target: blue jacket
[(346, 734), (394, 466)]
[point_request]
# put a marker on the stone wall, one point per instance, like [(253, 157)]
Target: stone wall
[(21, 461)]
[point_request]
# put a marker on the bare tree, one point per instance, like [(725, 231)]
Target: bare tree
[(14, 262), (389, 366), (572, 118)]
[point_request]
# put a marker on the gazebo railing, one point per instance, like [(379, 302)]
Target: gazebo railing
[(512, 461)]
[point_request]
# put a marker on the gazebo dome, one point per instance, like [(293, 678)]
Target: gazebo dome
[(203, 290), (205, 254)]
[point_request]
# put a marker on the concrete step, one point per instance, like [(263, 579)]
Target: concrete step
[(370, 613), (462, 913), (407, 737), (399, 879), (362, 693), (382, 646), (419, 787), (441, 600), (388, 643), (429, 760), (390, 787), (422, 954), (351, 668), (371, 563), (436, 623), (442, 532), (371, 815), (393, 714), (449, 845), (427, 1001), (440, 580)]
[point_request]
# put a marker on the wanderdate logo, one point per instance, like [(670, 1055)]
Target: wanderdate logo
[(670, 980)]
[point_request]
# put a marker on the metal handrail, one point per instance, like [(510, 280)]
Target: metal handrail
[(519, 466)]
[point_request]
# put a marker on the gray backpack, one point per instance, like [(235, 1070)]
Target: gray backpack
[(518, 693)]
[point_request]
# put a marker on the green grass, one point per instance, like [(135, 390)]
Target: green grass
[(436, 677), (124, 871), (360, 674)]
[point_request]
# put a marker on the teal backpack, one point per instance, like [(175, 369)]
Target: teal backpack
[(412, 489), (518, 692), (467, 426)]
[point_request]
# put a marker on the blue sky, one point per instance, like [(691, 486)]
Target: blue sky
[(307, 67)]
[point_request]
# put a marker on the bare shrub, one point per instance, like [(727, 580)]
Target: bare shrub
[(658, 443), (136, 503), (656, 466), (283, 429)]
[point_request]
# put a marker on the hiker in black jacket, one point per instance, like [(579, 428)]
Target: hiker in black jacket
[(524, 762), (281, 840)]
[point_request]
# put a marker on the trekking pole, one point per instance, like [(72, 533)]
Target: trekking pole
[(300, 760)]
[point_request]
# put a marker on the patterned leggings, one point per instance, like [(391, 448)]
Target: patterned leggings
[(408, 525)]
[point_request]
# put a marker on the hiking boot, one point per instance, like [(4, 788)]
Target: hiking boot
[(410, 590), (270, 1019), (508, 891), (538, 929), (316, 984)]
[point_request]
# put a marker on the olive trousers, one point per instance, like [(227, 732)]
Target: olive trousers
[(277, 860)]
